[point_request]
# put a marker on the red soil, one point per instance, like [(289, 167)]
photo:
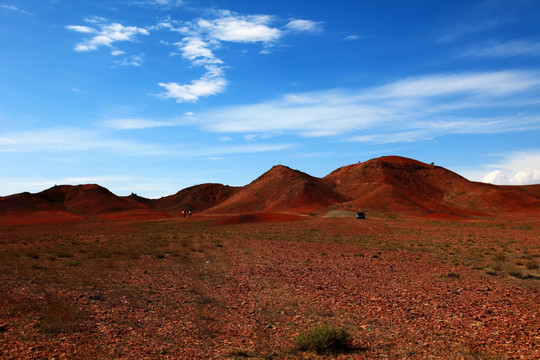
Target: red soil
[(181, 290), (258, 218)]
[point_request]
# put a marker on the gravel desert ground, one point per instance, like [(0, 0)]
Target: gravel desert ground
[(235, 287)]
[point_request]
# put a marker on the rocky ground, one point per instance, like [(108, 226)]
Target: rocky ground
[(202, 289)]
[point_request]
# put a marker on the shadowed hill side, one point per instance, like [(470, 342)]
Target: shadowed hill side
[(196, 198), (70, 203), (29, 208), (282, 189)]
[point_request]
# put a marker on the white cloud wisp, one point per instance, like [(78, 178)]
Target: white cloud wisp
[(407, 110), (105, 35)]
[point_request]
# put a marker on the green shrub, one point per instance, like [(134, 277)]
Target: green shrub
[(323, 340)]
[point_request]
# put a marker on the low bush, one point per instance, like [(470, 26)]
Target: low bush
[(323, 340)]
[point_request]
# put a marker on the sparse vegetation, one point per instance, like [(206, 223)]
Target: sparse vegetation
[(161, 286), (324, 340)]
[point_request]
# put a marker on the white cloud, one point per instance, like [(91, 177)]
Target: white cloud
[(497, 177), (134, 124), (204, 37), (15, 8), (132, 60), (198, 51), (239, 28), (209, 84), (201, 37), (505, 49), (159, 3), (81, 29), (74, 140), (106, 35), (352, 37), (408, 110), (304, 26), (486, 84), (514, 168)]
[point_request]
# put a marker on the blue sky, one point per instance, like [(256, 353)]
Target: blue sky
[(152, 96)]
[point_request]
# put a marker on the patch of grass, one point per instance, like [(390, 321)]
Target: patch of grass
[(324, 340), (239, 354), (59, 316), (453, 275), (532, 264)]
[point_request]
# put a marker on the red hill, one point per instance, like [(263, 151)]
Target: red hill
[(70, 203), (195, 198), (402, 185), (29, 208), (282, 189), (88, 200)]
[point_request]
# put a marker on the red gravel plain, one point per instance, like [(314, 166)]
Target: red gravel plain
[(245, 287)]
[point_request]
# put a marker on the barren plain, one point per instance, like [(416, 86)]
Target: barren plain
[(233, 288)]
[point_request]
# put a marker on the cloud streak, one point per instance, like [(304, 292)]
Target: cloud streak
[(406, 110), (508, 49), (75, 140), (15, 8)]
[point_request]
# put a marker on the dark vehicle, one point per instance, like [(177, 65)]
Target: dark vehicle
[(360, 215)]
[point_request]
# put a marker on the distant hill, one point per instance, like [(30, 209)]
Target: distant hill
[(196, 198), (282, 189), (389, 184), (70, 203)]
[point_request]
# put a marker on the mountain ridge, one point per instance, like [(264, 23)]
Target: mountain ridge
[(384, 185)]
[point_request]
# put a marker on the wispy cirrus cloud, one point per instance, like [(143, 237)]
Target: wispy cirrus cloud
[(507, 49), (14, 8), (406, 110), (132, 60), (308, 26), (77, 140), (159, 3), (73, 139), (134, 123)]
